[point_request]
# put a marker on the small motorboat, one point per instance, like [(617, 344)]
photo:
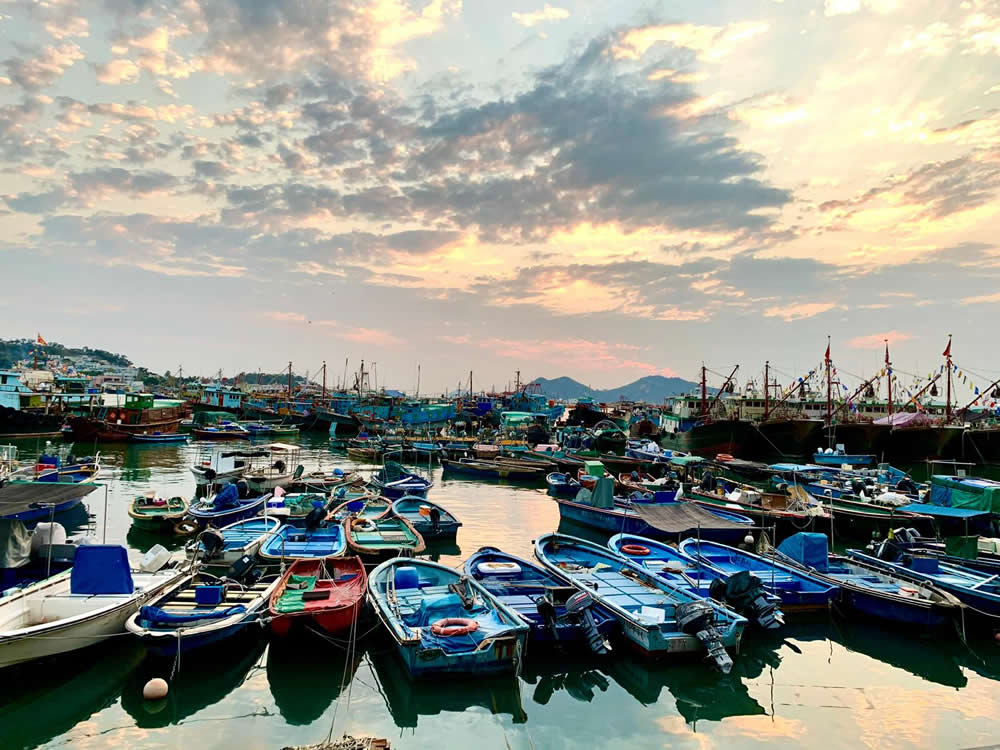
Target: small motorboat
[(78, 607), (230, 543), (226, 507), (327, 592), (429, 519), (224, 431), (555, 610), (158, 437), (741, 592), (492, 469), (151, 513), (321, 481), (382, 537), (296, 506), (799, 591), (27, 557), (562, 484), (199, 610), (219, 467), (315, 540), (444, 623), (275, 470), (657, 617), (393, 481)]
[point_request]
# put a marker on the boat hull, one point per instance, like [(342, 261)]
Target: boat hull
[(905, 444), (789, 437), (730, 436), (619, 521)]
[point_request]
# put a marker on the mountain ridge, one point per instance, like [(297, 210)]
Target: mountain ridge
[(651, 388)]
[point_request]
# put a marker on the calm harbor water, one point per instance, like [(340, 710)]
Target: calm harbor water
[(821, 683)]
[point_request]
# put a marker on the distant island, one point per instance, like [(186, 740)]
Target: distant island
[(652, 389)]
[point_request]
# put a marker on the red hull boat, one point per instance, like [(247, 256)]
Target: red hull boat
[(327, 591)]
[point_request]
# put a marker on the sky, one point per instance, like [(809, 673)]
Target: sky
[(593, 189)]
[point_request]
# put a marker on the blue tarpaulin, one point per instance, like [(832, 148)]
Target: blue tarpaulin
[(101, 569), (944, 511), (807, 548)]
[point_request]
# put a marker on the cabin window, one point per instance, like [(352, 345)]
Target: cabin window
[(3, 380)]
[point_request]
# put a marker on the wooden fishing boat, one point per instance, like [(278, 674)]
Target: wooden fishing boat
[(429, 519), (444, 623), (555, 610), (158, 437), (742, 593), (799, 591), (365, 506), (380, 538), (394, 482), (296, 506), (326, 592), (152, 513), (272, 466), (140, 413), (562, 484), (229, 431), (657, 619), (322, 481), (226, 507), (78, 607), (227, 545), (769, 510), (295, 543), (200, 610), (872, 590), (491, 469)]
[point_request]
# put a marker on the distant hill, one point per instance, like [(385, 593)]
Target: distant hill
[(14, 350), (652, 388)]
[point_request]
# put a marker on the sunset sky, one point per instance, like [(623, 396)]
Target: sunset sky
[(602, 190)]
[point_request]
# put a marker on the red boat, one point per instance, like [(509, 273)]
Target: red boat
[(588, 481), (141, 414), (327, 591)]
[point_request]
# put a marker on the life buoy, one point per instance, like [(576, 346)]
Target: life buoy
[(363, 524), (452, 626), (723, 457), (636, 550), (185, 527)]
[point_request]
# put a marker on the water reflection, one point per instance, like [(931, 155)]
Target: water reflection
[(306, 675), (583, 680)]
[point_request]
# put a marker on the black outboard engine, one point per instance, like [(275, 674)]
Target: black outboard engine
[(578, 607), (708, 481), (315, 518), (435, 519), (889, 551), (745, 594), (243, 488), (906, 486), (857, 487), (212, 543), (244, 570), (547, 610), (697, 618)]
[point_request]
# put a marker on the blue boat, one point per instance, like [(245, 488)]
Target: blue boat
[(198, 611), (40, 501), (874, 591), (394, 482), (230, 543), (555, 610), (226, 507), (799, 591), (297, 543), (445, 623), (562, 484), (837, 457), (158, 437), (978, 589), (657, 618), (433, 523), (741, 592), (670, 520)]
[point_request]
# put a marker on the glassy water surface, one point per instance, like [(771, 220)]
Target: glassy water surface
[(822, 683)]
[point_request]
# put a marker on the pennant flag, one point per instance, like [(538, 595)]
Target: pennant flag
[(947, 350), (828, 352), (41, 340)]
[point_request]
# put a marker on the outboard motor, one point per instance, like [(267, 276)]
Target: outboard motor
[(708, 481), (857, 487), (435, 519), (315, 518), (547, 611), (745, 594), (697, 618), (906, 486), (578, 607), (243, 489), (212, 543)]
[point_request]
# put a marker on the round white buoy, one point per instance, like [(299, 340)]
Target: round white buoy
[(748, 539), (155, 689)]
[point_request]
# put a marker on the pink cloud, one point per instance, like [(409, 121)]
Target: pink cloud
[(372, 336), (800, 311), (876, 340)]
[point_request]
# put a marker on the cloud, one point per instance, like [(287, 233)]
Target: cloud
[(548, 13), (118, 72), (35, 69), (877, 340), (847, 7), (370, 336), (981, 299), (709, 43), (68, 26), (798, 310)]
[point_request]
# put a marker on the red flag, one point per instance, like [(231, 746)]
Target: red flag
[(947, 351), (41, 340), (887, 352), (828, 352)]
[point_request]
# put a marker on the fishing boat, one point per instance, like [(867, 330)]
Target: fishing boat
[(770, 510), (241, 539), (140, 413), (555, 610), (51, 468), (226, 507), (200, 610), (592, 471), (798, 590), (444, 623), (872, 589), (222, 431), (296, 543), (609, 437), (159, 437), (152, 513), (37, 501), (214, 466), (492, 469), (322, 481), (394, 481), (741, 592), (272, 466), (429, 519), (650, 450), (562, 484), (381, 537), (78, 607), (657, 618), (668, 520), (326, 592), (838, 457)]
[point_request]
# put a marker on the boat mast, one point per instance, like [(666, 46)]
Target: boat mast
[(947, 406), (289, 381), (470, 385), (343, 385), (704, 392), (324, 381), (517, 383), (829, 386), (888, 373), (767, 389), (418, 381)]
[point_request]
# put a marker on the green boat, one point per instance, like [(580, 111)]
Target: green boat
[(151, 513), (377, 539)]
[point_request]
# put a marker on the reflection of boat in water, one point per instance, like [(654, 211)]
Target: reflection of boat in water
[(438, 548), (408, 702), (305, 681), (200, 682), (701, 694), (582, 681), (40, 705)]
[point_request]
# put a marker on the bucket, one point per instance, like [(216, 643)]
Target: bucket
[(425, 511), (355, 506)]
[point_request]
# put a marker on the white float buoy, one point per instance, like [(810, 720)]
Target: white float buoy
[(748, 539), (155, 689)]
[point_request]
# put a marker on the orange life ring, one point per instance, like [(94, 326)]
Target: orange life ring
[(635, 549), (723, 457), (452, 626)]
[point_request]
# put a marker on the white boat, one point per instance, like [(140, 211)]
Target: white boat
[(77, 608), (219, 466), (273, 467)]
